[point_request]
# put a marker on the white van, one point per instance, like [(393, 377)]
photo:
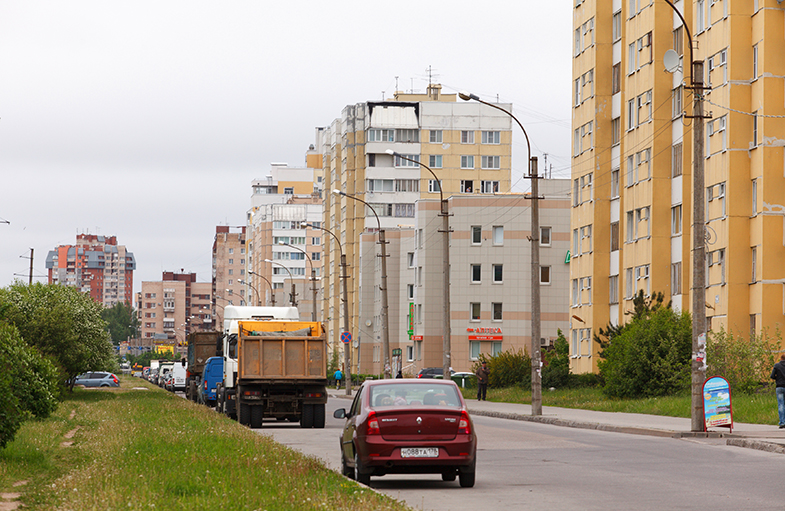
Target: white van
[(178, 377)]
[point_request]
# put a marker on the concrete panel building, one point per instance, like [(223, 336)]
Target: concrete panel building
[(633, 160), (229, 255)]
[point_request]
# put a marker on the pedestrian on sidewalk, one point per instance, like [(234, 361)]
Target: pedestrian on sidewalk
[(778, 375), (338, 377), (482, 380)]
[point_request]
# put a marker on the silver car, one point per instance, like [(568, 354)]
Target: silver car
[(97, 379)]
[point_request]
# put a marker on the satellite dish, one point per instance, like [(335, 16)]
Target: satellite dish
[(671, 61)]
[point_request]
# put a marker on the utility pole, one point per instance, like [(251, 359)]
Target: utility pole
[(385, 308), (535, 284), (347, 350), (30, 280)]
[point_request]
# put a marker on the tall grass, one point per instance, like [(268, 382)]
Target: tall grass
[(138, 449)]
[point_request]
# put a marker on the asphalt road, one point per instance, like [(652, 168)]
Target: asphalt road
[(524, 465)]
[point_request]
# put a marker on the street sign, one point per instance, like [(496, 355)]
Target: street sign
[(397, 352), (346, 337)]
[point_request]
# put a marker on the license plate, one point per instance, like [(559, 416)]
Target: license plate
[(420, 452)]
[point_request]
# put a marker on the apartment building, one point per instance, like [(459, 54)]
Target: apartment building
[(467, 145), (229, 257), (97, 265), (170, 309), (633, 160), (490, 280)]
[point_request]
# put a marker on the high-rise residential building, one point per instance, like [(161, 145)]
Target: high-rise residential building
[(633, 163), (97, 265), (467, 145), (170, 309), (490, 280), (229, 255)]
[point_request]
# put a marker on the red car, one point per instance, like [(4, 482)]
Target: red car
[(408, 427)]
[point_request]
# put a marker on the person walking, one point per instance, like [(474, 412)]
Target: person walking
[(778, 375), (338, 377), (482, 381)]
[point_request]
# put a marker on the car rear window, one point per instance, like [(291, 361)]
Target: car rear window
[(414, 394)]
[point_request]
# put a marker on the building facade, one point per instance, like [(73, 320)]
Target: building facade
[(229, 261), (97, 265), (633, 158)]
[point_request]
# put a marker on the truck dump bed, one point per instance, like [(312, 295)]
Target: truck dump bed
[(201, 346), (281, 350)]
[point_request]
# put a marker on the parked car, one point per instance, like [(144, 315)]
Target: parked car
[(97, 379), (168, 381), (408, 427), (432, 372), (212, 375), (152, 376), (178, 377)]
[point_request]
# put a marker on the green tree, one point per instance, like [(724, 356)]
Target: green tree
[(121, 321), (745, 363), (62, 323), (651, 354), (28, 383)]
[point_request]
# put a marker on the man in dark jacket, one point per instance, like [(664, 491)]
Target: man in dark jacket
[(778, 375), (482, 381)]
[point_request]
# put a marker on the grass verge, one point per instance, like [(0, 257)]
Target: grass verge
[(149, 449), (759, 408)]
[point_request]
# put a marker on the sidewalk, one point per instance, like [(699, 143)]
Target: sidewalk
[(754, 436)]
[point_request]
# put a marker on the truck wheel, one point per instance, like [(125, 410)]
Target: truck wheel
[(306, 421), (257, 413), (192, 391), (318, 416), (244, 414)]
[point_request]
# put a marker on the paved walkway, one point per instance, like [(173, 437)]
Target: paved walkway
[(755, 436)]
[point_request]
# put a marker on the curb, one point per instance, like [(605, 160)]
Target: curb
[(756, 444)]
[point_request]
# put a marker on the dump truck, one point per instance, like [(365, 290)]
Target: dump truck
[(275, 366), (201, 346)]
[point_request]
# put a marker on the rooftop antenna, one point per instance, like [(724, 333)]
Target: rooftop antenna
[(396, 84)]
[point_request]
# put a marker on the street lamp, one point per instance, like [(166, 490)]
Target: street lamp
[(445, 214), (347, 352), (535, 261), (290, 277), (272, 291), (258, 300), (698, 366), (313, 275), (385, 324)]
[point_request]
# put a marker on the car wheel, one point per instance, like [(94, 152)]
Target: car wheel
[(466, 476), (104, 384), (359, 471), (318, 416), (346, 470), (257, 413), (448, 476), (306, 421), (244, 414)]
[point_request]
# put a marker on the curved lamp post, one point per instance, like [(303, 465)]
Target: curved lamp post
[(291, 300), (270, 284), (245, 282), (445, 214), (535, 261), (347, 352), (313, 275), (383, 287)]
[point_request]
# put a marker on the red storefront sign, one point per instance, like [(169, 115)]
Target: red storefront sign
[(485, 333)]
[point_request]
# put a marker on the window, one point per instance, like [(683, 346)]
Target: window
[(676, 278), (642, 227), (717, 72), (407, 135), (642, 279), (616, 78), (616, 26), (676, 220), (577, 42), (490, 186), (676, 160), (435, 136), (491, 137), (476, 273), (643, 165), (644, 50), (630, 114), (613, 289), (629, 284), (400, 162), (545, 237), (678, 40), (715, 196), (585, 188), (616, 131), (754, 197), (497, 311), (716, 261), (474, 348), (316, 256), (496, 348), (467, 162), (614, 236), (476, 234), (377, 135), (316, 241), (587, 85), (404, 210), (231, 271), (630, 170), (474, 307), (644, 107), (434, 186), (410, 291), (588, 33), (467, 186), (754, 276), (630, 226), (585, 283), (435, 161), (575, 243), (407, 185), (576, 143), (755, 129), (491, 162), (585, 242), (614, 183), (677, 108), (575, 349), (410, 353), (587, 136), (755, 62), (498, 273), (575, 297), (577, 93), (467, 137), (701, 23), (631, 56), (371, 160), (545, 275), (498, 235), (288, 190), (380, 185), (410, 259), (231, 261)]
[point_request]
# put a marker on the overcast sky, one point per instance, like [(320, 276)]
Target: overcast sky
[(148, 120)]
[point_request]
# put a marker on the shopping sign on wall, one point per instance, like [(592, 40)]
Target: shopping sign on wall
[(485, 334), (717, 403)]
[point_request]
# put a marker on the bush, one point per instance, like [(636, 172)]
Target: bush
[(508, 368), (650, 357), (745, 363), (556, 371)]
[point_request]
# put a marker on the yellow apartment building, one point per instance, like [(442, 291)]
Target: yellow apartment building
[(633, 158)]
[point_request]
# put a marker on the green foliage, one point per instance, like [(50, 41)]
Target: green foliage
[(507, 369), (121, 322), (62, 323), (651, 355), (556, 371), (745, 363), (332, 364), (28, 383)]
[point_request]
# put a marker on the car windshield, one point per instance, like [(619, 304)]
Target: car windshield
[(414, 394)]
